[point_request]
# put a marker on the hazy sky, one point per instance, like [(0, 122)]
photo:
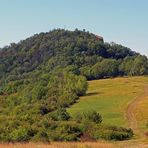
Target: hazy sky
[(122, 21)]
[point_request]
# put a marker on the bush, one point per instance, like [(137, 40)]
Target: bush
[(60, 115), (67, 132), (41, 135), (111, 133), (21, 134), (91, 116)]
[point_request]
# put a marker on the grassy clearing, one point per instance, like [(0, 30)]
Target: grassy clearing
[(110, 98)]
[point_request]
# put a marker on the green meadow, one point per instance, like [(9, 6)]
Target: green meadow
[(110, 98)]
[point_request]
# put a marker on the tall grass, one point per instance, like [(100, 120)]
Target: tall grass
[(59, 145)]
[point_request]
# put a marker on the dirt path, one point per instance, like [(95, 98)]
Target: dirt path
[(140, 140), (131, 116)]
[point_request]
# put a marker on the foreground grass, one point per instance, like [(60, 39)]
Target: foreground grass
[(59, 145), (110, 98), (98, 144)]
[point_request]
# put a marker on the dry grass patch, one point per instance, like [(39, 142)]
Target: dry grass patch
[(59, 145), (141, 112)]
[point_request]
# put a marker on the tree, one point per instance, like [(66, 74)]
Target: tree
[(87, 72), (126, 66), (140, 66), (105, 68)]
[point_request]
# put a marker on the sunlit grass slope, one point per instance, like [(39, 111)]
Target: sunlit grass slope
[(110, 98), (141, 112)]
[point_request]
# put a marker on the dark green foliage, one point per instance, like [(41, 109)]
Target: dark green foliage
[(135, 66), (20, 135), (67, 132), (37, 128), (87, 72), (60, 115), (39, 92), (140, 66), (111, 133), (127, 65), (46, 51), (91, 116), (30, 114), (105, 68)]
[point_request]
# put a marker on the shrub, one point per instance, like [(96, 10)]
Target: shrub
[(41, 135), (60, 115), (21, 134), (91, 116), (67, 132), (111, 133)]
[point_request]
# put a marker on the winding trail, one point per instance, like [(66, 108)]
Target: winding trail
[(133, 123)]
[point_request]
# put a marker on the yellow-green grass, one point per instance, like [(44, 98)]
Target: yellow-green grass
[(110, 98), (99, 144), (141, 112)]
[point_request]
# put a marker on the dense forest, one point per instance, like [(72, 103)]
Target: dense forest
[(43, 75)]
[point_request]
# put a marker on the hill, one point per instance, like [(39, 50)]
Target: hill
[(43, 75), (62, 48)]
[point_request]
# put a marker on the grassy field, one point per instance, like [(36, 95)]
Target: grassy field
[(110, 98)]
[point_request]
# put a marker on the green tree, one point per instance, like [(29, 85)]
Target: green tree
[(105, 68), (126, 66), (140, 66)]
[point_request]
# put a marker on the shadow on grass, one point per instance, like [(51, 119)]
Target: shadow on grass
[(93, 93)]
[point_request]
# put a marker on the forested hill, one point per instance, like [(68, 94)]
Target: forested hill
[(84, 51), (46, 73)]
